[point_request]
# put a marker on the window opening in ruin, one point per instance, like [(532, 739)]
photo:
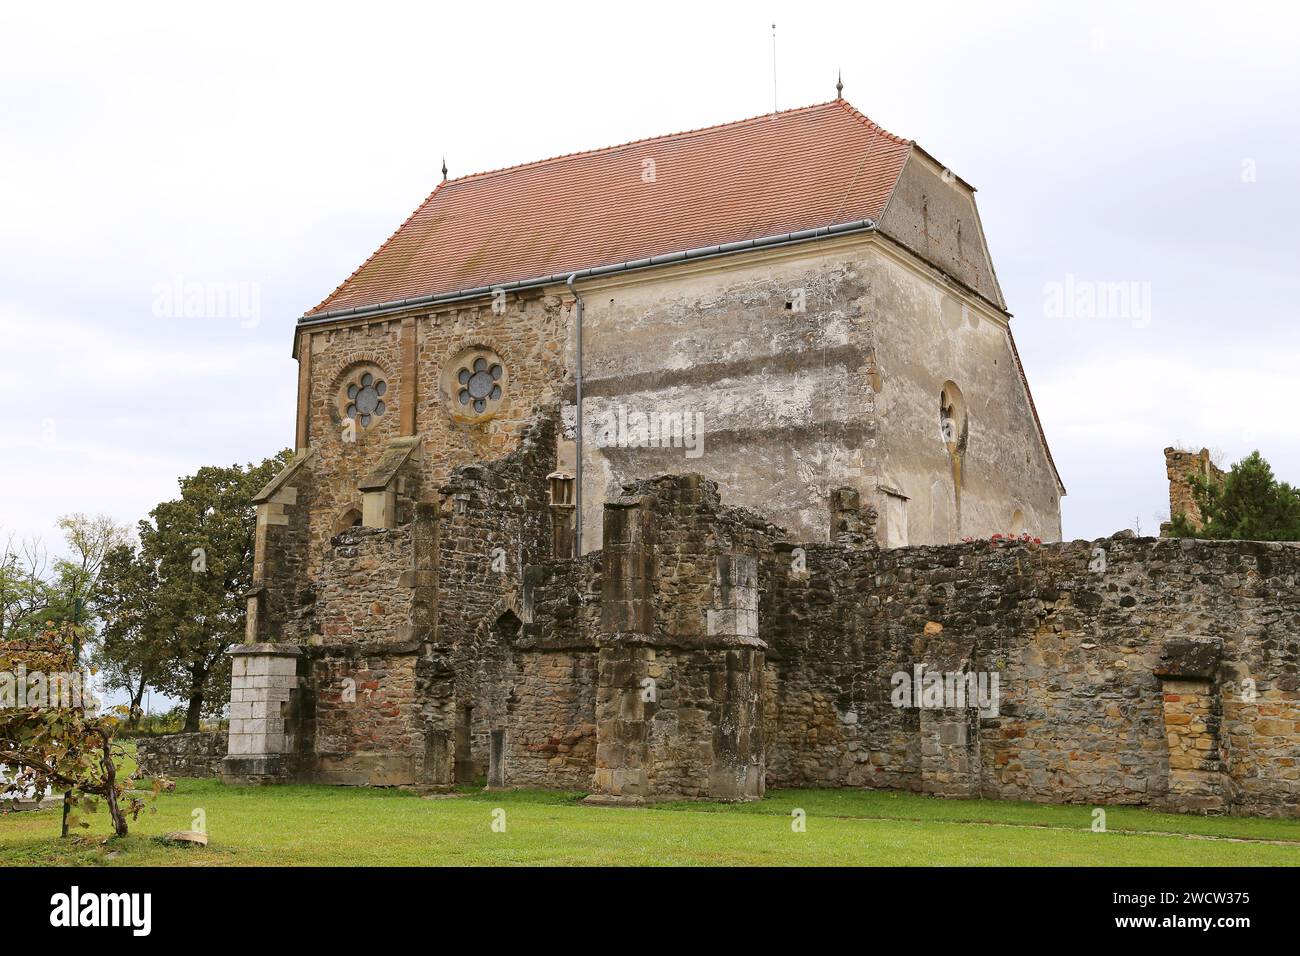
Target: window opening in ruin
[(349, 519)]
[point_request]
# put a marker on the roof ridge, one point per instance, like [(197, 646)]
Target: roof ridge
[(582, 153), (838, 104), (871, 124)]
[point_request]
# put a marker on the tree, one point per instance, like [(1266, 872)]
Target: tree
[(76, 577), (53, 739), (36, 593), (181, 595), (1248, 503), (25, 590), (131, 648)]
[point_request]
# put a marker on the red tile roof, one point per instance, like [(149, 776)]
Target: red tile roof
[(783, 172)]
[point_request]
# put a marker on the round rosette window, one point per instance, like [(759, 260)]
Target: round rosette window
[(363, 398), (480, 383), (474, 383)]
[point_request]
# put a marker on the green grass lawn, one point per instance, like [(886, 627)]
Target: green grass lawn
[(296, 825)]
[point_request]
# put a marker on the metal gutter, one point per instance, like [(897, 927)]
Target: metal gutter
[(561, 278), (577, 479)]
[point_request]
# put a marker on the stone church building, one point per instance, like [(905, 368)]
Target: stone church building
[(646, 471)]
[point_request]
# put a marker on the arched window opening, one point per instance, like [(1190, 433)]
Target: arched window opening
[(351, 518), (952, 418)]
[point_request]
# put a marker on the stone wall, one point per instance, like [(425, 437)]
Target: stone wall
[(699, 654), (679, 659), (495, 521), (411, 354), (551, 720), (281, 580), (373, 717), (1080, 635), (817, 368), (1183, 468), (182, 755), (551, 735)]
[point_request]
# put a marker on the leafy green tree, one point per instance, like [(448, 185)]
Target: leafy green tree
[(37, 593), (181, 594), (76, 576), (1249, 503), (131, 648), (55, 741), (26, 593)]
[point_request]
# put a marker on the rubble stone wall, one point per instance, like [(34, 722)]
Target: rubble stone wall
[(182, 755), (1183, 468), (1079, 634)]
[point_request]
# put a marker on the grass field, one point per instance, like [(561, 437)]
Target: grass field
[(300, 825)]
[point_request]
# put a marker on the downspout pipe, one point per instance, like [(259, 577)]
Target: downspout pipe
[(577, 378)]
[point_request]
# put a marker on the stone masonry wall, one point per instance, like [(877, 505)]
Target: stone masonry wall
[(410, 352), (680, 661), (371, 713), (551, 740), (551, 732), (1182, 468), (1076, 632), (495, 522), (368, 599), (182, 755)]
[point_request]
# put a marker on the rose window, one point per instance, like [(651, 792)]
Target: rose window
[(365, 399), (480, 383)]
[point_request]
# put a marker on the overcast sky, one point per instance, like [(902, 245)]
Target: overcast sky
[(271, 148)]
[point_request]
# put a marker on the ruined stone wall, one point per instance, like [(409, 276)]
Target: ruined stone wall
[(495, 522), (827, 710), (701, 734), (371, 712), (551, 736), (182, 755), (368, 727), (1080, 635), (1182, 468), (281, 552), (551, 729), (680, 660), (367, 597)]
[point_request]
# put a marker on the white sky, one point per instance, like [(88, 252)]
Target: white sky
[(273, 147)]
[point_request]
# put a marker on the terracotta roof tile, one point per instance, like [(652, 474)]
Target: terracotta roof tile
[(782, 172)]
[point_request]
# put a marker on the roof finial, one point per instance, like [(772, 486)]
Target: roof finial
[(444, 169), (839, 85)]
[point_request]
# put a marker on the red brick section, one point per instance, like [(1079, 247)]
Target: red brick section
[(783, 172)]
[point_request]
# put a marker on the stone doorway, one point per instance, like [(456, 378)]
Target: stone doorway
[(465, 769)]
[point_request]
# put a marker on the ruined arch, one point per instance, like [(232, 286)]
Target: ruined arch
[(349, 517)]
